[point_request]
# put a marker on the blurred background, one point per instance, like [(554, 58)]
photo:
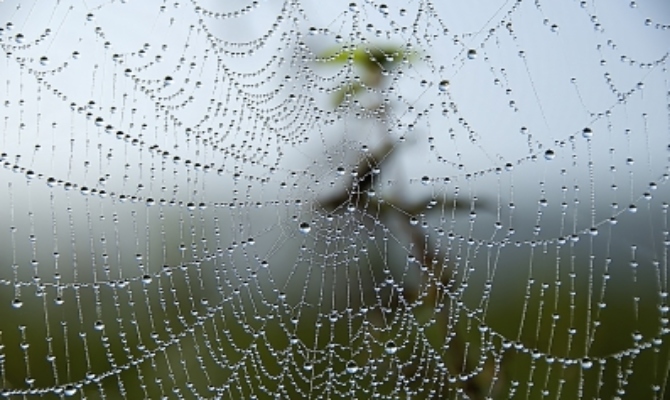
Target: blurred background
[(345, 200)]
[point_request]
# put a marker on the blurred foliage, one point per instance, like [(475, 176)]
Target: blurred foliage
[(373, 62)]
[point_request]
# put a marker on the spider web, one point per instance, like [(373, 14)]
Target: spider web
[(335, 199)]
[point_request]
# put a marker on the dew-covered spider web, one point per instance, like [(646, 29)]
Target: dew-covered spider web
[(333, 199)]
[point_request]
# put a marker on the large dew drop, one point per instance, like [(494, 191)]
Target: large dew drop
[(304, 227), (352, 368), (391, 348)]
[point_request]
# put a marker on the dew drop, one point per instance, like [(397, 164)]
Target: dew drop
[(391, 347), (352, 368), (99, 325), (549, 155), (146, 279), (304, 227), (472, 54), (443, 86), (587, 363), (70, 390), (17, 303), (44, 60), (587, 132)]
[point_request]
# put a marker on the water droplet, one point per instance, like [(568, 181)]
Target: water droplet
[(587, 363), (99, 325), (167, 81), (472, 54), (353, 7), (305, 227), (549, 155), (444, 85), (425, 180), (390, 347), (17, 303), (307, 366), (632, 208), (44, 60), (587, 132), (70, 390), (19, 38), (352, 368), (146, 279)]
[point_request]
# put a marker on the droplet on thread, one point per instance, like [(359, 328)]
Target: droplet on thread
[(17, 303), (70, 390), (391, 347), (304, 227), (352, 368)]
